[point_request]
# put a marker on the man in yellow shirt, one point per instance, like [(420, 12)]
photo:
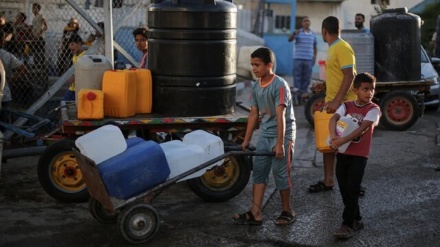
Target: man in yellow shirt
[(75, 46), (339, 73)]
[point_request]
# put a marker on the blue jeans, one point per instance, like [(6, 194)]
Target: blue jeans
[(302, 73)]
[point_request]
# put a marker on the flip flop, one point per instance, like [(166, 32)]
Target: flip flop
[(247, 218), (319, 187), (286, 218)]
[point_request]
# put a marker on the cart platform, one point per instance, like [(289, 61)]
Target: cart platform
[(155, 122)]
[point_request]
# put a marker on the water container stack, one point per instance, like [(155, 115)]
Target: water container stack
[(397, 45), (363, 47), (127, 167), (196, 148), (89, 70), (192, 56)]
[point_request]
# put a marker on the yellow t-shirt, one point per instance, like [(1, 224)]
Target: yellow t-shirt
[(340, 56), (74, 60)]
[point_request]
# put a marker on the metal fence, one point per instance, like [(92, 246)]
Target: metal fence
[(48, 58)]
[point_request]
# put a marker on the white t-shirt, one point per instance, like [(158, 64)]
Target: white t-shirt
[(10, 62)]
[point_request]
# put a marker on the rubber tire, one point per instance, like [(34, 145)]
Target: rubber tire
[(129, 214), (100, 213), (314, 103), (51, 154), (200, 186), (398, 97)]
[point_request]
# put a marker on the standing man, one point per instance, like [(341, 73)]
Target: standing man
[(339, 73), (359, 20), (39, 26), (304, 57)]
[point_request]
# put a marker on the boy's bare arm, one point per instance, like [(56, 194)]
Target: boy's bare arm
[(251, 125), (332, 125), (356, 133), (281, 131)]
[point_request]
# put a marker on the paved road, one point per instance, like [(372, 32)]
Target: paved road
[(400, 207)]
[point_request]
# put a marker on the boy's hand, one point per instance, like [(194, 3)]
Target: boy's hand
[(335, 142), (279, 151), (244, 145)]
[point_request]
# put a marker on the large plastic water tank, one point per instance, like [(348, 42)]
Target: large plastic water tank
[(192, 56), (397, 45), (363, 47)]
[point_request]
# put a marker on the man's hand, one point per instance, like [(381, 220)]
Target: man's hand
[(332, 106), (279, 151)]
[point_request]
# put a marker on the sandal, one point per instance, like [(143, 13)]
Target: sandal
[(358, 225), (319, 187), (344, 232), (247, 218), (286, 218)]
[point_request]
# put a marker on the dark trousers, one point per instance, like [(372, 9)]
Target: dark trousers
[(349, 172), (38, 51)]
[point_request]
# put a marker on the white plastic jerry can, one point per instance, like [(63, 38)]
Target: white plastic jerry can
[(345, 126)]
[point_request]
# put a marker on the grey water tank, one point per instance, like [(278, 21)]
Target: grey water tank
[(397, 45), (192, 56), (363, 47)]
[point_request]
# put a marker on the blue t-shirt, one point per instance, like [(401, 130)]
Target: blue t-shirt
[(266, 99), (304, 43)]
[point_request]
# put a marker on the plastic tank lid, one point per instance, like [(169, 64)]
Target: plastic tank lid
[(396, 10)]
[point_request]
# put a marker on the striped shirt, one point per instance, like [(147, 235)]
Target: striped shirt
[(304, 42)]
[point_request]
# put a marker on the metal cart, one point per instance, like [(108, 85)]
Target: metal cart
[(137, 219)]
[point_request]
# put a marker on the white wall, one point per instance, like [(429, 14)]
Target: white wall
[(318, 11), (349, 8)]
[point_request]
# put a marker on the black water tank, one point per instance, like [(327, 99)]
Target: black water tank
[(192, 56), (397, 45)]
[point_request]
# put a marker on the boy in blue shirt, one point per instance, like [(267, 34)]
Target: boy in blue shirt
[(270, 99)]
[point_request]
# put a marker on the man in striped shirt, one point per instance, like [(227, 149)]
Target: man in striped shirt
[(304, 56)]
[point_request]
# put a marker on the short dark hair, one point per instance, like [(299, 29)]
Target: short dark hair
[(75, 38), (331, 25), (37, 5), (363, 77), (23, 15), (141, 31), (361, 15), (265, 54)]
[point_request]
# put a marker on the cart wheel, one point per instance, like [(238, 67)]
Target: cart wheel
[(399, 110), (224, 182), (315, 103), (100, 213), (59, 174), (138, 223)]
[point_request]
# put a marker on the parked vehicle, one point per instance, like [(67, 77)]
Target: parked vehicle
[(432, 100)]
